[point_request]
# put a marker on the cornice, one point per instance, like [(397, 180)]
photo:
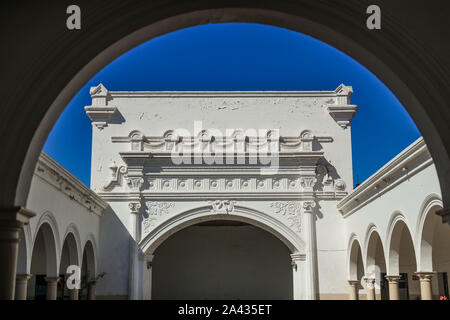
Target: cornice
[(219, 94), (100, 115), (406, 164), (54, 174), (200, 196)]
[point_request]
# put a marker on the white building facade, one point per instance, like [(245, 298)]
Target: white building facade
[(63, 232), (249, 195)]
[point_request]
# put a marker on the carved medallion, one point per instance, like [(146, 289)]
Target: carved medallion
[(222, 206)]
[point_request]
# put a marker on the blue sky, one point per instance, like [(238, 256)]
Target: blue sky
[(241, 56)]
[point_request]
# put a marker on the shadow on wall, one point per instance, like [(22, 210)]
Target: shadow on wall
[(113, 257)]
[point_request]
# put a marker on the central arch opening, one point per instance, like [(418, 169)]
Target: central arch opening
[(222, 259)]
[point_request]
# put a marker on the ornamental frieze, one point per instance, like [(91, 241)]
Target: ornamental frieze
[(239, 141), (323, 186)]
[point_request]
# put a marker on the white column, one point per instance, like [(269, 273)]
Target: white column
[(147, 287), (11, 221), (311, 258), (134, 274), (298, 275)]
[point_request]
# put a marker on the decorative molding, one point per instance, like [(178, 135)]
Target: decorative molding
[(135, 183), (340, 108), (309, 206), (308, 182), (291, 210), (99, 95), (55, 175), (243, 146), (222, 206), (393, 278), (238, 195), (339, 185), (228, 186), (116, 176), (342, 114), (425, 275), (341, 91), (100, 116), (154, 210), (99, 112), (135, 207)]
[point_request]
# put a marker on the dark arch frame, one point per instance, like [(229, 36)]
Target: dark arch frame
[(418, 78), (44, 64)]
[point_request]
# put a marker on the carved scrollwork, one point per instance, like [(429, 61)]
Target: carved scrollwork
[(309, 205), (116, 176), (154, 211), (291, 210), (134, 207)]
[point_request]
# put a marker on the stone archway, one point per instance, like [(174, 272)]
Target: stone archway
[(295, 246), (45, 263), (88, 271), (434, 256), (375, 264), (355, 268), (70, 255), (401, 263)]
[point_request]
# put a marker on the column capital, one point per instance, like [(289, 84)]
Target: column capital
[(425, 275), (352, 283), (393, 278), (298, 257), (135, 207), (369, 282), (21, 286), (15, 215), (51, 280), (444, 214), (23, 277), (309, 205), (148, 257)]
